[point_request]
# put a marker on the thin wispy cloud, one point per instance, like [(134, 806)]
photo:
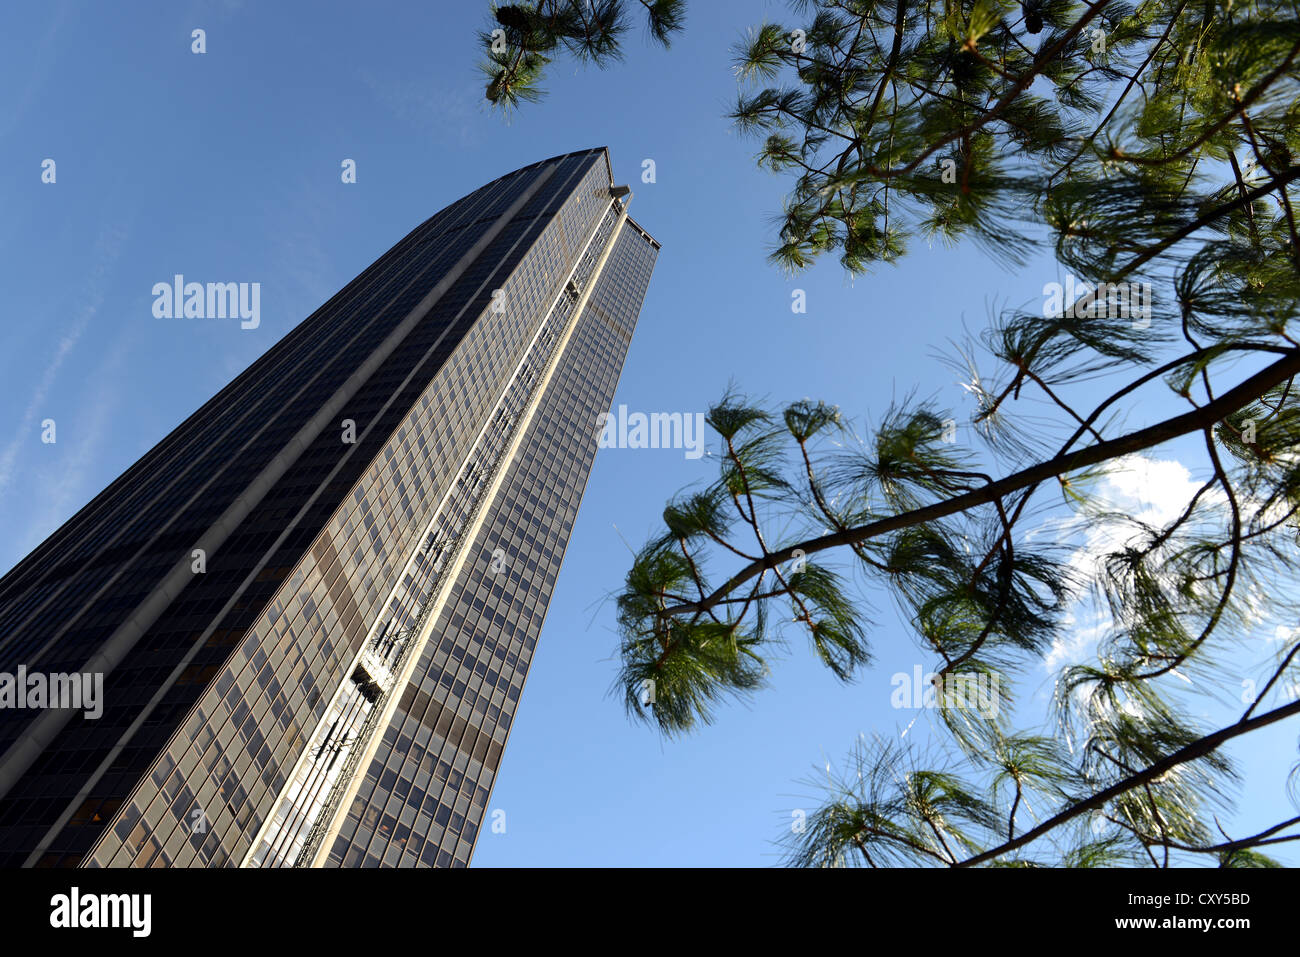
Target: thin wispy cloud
[(447, 114), (67, 486), (107, 249), (14, 107)]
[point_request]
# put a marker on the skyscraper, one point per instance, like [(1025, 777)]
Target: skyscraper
[(314, 603)]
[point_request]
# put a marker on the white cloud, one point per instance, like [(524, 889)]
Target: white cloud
[(1148, 490)]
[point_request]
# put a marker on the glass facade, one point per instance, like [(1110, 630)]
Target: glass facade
[(337, 684)]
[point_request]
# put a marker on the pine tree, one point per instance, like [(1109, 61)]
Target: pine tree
[(1153, 148)]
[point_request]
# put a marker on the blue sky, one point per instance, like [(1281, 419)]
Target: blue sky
[(226, 166)]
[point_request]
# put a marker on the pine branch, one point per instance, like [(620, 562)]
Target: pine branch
[(1197, 749), (1172, 428)]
